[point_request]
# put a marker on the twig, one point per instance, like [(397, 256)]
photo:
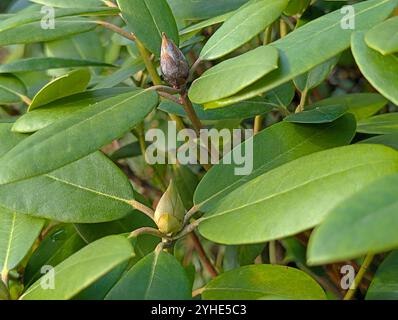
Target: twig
[(110, 4), (167, 89), (203, 256), (303, 100), (364, 267), (116, 29), (141, 207), (258, 123), (147, 230), (197, 292), (197, 124), (169, 97)]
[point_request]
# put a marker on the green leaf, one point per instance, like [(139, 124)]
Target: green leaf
[(232, 75), (366, 223), (62, 108), (90, 190), (315, 76), (296, 7), (58, 245), (66, 85), (242, 110), (11, 89), (361, 105), (263, 282), (245, 24), (33, 32), (324, 114), (76, 136), (37, 15), (148, 19), (130, 150), (304, 48), (207, 23), (40, 64), (384, 285), (381, 71), (296, 196), (282, 96), (83, 268), (71, 3), (381, 124), (276, 145), (157, 276), (390, 140), (17, 235), (384, 37)]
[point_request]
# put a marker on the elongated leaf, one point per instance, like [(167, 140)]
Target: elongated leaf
[(303, 49), (62, 108), (381, 71), (384, 37), (242, 110), (361, 105), (33, 32), (246, 23), (37, 15), (83, 268), (148, 19), (233, 75), (40, 64), (17, 235), (207, 23), (69, 84), (130, 150), (390, 140), (57, 246), (11, 89), (157, 276), (324, 114), (71, 3), (384, 285), (288, 200), (314, 77), (296, 7), (381, 124), (359, 220), (274, 146), (263, 282), (89, 190), (77, 136)]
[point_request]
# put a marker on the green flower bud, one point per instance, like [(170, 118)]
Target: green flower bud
[(175, 68), (170, 212)]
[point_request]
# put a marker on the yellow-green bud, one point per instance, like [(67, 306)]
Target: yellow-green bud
[(170, 212)]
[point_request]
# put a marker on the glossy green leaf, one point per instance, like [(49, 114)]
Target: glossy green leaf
[(390, 140), (11, 89), (384, 37), (207, 23), (282, 96), (71, 3), (380, 124), (83, 268), (315, 76), (62, 108), (76, 136), (318, 115), (66, 85), (37, 15), (384, 285), (242, 110), (281, 143), (263, 282), (17, 235), (33, 32), (361, 105), (40, 64), (89, 190), (58, 245), (304, 48), (381, 71), (148, 19), (366, 223), (130, 150), (231, 76), (245, 24), (288, 200), (157, 276)]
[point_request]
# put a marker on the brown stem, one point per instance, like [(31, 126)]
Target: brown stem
[(116, 29), (187, 104), (203, 256)]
